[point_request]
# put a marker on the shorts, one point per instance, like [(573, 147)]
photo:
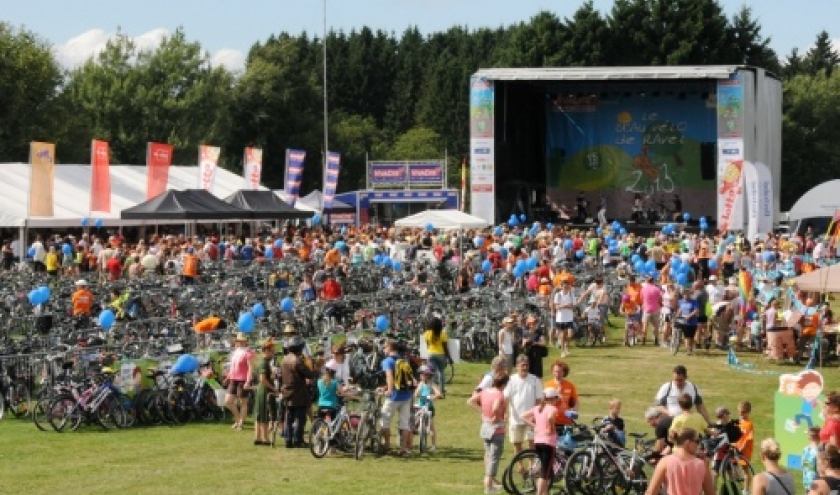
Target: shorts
[(689, 331), (323, 412), (634, 318), (545, 453), (652, 318), (390, 407), (236, 388), (702, 319), (565, 325), (520, 433)]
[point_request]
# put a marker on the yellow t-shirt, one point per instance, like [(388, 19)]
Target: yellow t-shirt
[(689, 420), (51, 262), (435, 345)]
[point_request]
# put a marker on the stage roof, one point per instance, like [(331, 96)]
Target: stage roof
[(609, 73)]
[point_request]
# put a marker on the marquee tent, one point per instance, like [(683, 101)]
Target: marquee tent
[(823, 280), (191, 204), (315, 200), (821, 201), (442, 219), (72, 193), (265, 205)]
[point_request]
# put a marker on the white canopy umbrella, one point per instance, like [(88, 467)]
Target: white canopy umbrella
[(443, 220)]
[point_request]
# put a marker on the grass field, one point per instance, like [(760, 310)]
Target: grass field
[(212, 458)]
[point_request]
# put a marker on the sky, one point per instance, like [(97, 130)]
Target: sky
[(227, 30)]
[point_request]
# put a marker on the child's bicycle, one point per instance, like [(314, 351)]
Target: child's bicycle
[(632, 329), (423, 425)]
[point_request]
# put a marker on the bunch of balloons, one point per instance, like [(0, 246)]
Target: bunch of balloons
[(513, 221), (704, 224), (40, 295)]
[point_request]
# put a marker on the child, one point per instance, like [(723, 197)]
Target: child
[(541, 419), (329, 390), (755, 335), (745, 443), (633, 316), (425, 393), (614, 424), (809, 457), (732, 431), (593, 317)]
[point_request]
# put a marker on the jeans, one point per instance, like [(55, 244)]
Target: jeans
[(440, 362), (295, 425), (493, 450)]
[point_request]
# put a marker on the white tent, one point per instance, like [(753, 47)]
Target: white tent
[(821, 201), (300, 205), (442, 219), (71, 193)]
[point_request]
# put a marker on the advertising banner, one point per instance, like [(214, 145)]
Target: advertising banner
[(158, 161), (423, 175), (294, 174), (331, 178), (42, 179), (752, 195), (730, 108), (482, 150), (208, 160), (252, 168), (100, 183), (765, 198), (730, 202), (388, 175)]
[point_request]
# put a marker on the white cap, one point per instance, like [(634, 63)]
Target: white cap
[(81, 282), (550, 393), (712, 278)]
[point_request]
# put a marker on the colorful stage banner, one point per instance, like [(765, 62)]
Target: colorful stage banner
[(100, 183), (482, 149), (388, 175), (158, 161), (294, 174), (730, 201), (331, 179), (42, 179), (425, 175), (252, 170), (208, 160), (464, 185)]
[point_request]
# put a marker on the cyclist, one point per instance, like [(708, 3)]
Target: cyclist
[(633, 317), (594, 319), (425, 394)]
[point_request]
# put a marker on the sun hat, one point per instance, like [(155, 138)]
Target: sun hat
[(241, 337), (551, 393), (721, 411), (425, 370), (289, 329)]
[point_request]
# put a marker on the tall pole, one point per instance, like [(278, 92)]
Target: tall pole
[(326, 126)]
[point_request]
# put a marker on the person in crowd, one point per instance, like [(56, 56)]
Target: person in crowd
[(651, 299), (775, 480), (661, 424), (667, 398), (828, 468), (745, 443), (810, 457), (614, 423), (306, 289), (523, 391), (264, 402), (295, 390), (830, 432), (688, 311), (52, 262), (497, 366), (568, 393), (506, 339), (330, 390), (331, 289), (562, 306), (397, 401), (426, 393), (682, 472), (82, 299), (492, 406), (540, 419), (340, 364), (533, 346), (688, 418), (437, 345), (239, 380)]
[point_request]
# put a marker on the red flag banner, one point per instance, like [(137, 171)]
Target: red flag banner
[(100, 183), (158, 161), (41, 179), (252, 171), (208, 160)]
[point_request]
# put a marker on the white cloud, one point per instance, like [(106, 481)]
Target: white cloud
[(79, 49)]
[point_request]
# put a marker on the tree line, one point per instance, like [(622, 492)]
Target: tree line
[(390, 96)]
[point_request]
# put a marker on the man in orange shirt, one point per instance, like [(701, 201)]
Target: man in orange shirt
[(332, 258), (190, 267), (562, 276), (568, 392), (82, 299), (634, 290)]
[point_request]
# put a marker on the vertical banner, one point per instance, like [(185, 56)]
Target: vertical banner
[(208, 160), (464, 184), (765, 198), (100, 183), (730, 133), (158, 161), (752, 194), (331, 179), (252, 170), (797, 404), (41, 179), (482, 151), (294, 174)]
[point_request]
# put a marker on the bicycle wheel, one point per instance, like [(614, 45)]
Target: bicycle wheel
[(63, 412), (583, 475), (320, 443), (110, 414), (40, 413), (19, 400), (129, 411), (736, 476), (361, 436), (423, 430), (525, 470), (2, 405), (676, 337)]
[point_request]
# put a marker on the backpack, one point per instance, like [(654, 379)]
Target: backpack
[(403, 375)]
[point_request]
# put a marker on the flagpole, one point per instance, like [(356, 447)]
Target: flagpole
[(326, 126)]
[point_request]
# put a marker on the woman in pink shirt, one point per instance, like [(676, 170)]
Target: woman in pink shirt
[(682, 472), (492, 405), (541, 419), (239, 380)]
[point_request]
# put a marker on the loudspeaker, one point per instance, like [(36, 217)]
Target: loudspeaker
[(708, 152)]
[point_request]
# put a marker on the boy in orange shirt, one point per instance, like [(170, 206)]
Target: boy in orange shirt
[(632, 312), (745, 443)]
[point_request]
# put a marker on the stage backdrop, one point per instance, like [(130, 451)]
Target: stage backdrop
[(620, 146)]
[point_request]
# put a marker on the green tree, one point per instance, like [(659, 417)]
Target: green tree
[(586, 40), (794, 65), (418, 143), (630, 39), (409, 69), (749, 44), (357, 137), (822, 56), (538, 43), (29, 81)]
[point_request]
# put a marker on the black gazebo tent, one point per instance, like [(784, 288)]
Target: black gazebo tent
[(265, 205), (190, 204)]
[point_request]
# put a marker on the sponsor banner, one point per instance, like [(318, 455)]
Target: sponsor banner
[(331, 178), (482, 152), (730, 108), (752, 196), (158, 161), (208, 161), (387, 175), (342, 218), (100, 183), (294, 174), (765, 198), (41, 179), (425, 174), (730, 185), (252, 169)]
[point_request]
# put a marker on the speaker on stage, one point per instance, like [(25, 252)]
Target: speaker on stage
[(708, 152)]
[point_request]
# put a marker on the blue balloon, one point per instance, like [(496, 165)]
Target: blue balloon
[(98, 223), (622, 231), (635, 258), (386, 261), (650, 265), (522, 217), (682, 278), (430, 227), (269, 252), (713, 264), (531, 264), (287, 304), (107, 319), (497, 231), (568, 244), (579, 254), (382, 323), (549, 226), (397, 266), (521, 264), (686, 216), (278, 244), (639, 266), (340, 245), (343, 230), (377, 260), (768, 256), (486, 265), (513, 222), (67, 248), (34, 297), (186, 363), (479, 241), (504, 252), (31, 252), (478, 278), (246, 322), (599, 231), (84, 222), (684, 269), (316, 219), (258, 310), (519, 271), (44, 291)]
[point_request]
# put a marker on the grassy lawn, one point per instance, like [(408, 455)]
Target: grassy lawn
[(212, 458)]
